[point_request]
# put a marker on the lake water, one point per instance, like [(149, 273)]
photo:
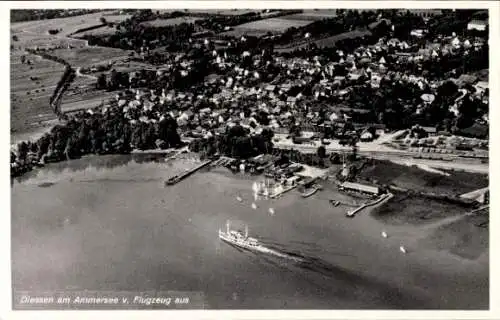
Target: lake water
[(108, 223)]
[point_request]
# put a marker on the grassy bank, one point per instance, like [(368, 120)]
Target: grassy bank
[(386, 172)]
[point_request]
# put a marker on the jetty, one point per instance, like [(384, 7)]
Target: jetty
[(382, 198), (343, 203), (223, 161), (281, 192), (179, 177), (310, 191)]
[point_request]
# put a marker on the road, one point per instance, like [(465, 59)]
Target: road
[(377, 150), (80, 74)]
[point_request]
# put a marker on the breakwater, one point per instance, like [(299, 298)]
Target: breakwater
[(179, 177), (383, 198)]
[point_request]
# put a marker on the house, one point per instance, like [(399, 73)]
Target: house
[(359, 188), (419, 33), (479, 25), (366, 136), (270, 88), (431, 131), (424, 13)]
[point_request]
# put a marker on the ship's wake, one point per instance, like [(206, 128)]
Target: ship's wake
[(283, 257), (280, 255)]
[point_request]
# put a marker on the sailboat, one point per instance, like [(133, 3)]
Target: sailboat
[(266, 192)]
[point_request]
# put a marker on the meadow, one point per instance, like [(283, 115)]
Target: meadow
[(31, 87), (169, 22)]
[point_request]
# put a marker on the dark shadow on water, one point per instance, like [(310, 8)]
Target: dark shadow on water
[(46, 184), (95, 161)]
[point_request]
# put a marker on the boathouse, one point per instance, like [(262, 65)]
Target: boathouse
[(360, 188)]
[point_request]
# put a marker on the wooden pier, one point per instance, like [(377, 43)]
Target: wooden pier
[(383, 198), (177, 178), (277, 194)]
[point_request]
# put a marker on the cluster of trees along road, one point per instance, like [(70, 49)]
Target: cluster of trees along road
[(63, 84)]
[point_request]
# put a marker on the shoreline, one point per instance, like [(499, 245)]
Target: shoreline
[(301, 218)]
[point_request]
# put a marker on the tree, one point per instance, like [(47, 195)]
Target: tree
[(114, 80), (101, 82), (321, 152), (447, 90)]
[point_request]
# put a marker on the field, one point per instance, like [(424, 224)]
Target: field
[(169, 22), (273, 24), (103, 31), (30, 98), (413, 178), (32, 40), (330, 41), (236, 12), (325, 42), (262, 27), (227, 12), (415, 210), (85, 57), (30, 110), (313, 15), (68, 25), (85, 100), (116, 18)]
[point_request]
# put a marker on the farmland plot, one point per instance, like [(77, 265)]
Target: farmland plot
[(85, 57), (31, 88), (116, 18), (236, 12), (262, 27), (327, 42), (273, 24), (313, 15), (68, 25), (32, 40), (330, 41), (85, 100), (102, 31), (169, 22)]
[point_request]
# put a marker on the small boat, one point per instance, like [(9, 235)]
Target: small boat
[(254, 206), (402, 249), (271, 211), (239, 199), (384, 234)]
